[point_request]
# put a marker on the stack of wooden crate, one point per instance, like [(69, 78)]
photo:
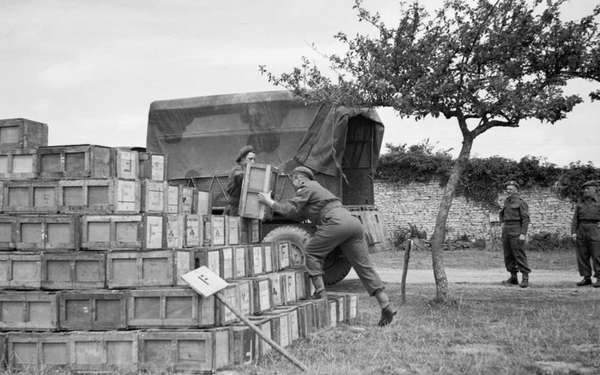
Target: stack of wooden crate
[(93, 241)]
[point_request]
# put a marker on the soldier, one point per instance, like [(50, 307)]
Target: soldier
[(514, 218), (236, 178), (335, 227), (585, 230)]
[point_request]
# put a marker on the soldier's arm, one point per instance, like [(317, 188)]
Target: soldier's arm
[(525, 220), (575, 221)]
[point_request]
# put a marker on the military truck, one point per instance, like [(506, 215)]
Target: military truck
[(201, 137)]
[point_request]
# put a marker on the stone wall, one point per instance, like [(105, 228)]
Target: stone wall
[(418, 204)]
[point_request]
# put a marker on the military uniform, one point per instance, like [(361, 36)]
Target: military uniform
[(585, 225), (515, 217), (235, 180)]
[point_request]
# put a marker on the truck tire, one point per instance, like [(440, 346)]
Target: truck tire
[(336, 266)]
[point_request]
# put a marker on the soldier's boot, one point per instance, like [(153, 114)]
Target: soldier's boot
[(319, 284), (525, 281), (512, 280), (387, 310), (586, 281), (597, 283)]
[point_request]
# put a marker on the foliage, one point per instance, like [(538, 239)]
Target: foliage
[(545, 242), (483, 178), (402, 234)]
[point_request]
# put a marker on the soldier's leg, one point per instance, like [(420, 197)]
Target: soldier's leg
[(518, 249), (594, 248), (583, 253), (321, 244), (509, 260)]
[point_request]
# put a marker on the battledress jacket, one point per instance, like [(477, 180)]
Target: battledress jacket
[(311, 202)]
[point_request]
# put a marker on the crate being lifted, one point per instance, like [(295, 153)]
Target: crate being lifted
[(258, 178)]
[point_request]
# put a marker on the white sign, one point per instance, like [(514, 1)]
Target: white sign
[(204, 281)]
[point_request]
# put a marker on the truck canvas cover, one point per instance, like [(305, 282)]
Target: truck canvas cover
[(203, 135)]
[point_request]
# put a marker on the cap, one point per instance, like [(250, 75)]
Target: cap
[(305, 171), (511, 182), (589, 183), (243, 152)]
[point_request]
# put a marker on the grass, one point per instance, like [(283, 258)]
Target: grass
[(488, 330)]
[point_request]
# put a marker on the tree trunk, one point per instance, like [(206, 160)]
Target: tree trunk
[(439, 233)]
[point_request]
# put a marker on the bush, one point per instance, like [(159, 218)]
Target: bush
[(545, 242), (402, 234)]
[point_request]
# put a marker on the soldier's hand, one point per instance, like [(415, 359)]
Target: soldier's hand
[(574, 236), (266, 198), (521, 237)]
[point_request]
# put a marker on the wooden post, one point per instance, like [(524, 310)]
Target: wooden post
[(268, 340), (409, 245)]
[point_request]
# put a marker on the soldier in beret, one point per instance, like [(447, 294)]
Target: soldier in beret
[(514, 218), (236, 178), (335, 227), (585, 230)]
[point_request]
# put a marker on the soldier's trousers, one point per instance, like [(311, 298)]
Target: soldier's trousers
[(515, 258), (588, 248), (340, 228)]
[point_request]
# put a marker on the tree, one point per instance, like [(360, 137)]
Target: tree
[(485, 64)]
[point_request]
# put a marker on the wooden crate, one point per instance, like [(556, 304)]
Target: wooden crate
[(20, 270), (28, 311), (175, 230), (306, 317), (172, 199), (302, 281), (104, 352), (207, 313), (211, 257), (261, 291), (282, 255), (73, 270), (258, 178), (254, 260), (92, 310), (246, 296), (292, 312), (8, 232), (38, 352), (152, 166), (132, 269), (290, 286), (233, 230), (239, 261), (186, 199), (263, 323), (350, 307), (227, 266), (194, 230), (280, 327), (278, 282), (338, 309), (18, 163), (22, 133), (179, 199), (47, 232), (203, 203), (198, 351), (153, 196), (321, 313), (75, 161), (215, 230), (224, 316), (250, 231), (122, 232), (126, 164), (269, 258), (31, 196), (107, 196), (163, 308), (184, 261), (373, 222), (244, 345)]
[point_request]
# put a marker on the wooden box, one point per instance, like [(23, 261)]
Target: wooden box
[(207, 312), (214, 230), (163, 308), (283, 254), (175, 230), (258, 178), (198, 351), (261, 291), (225, 316), (233, 230), (254, 260), (263, 323), (179, 199), (8, 232), (20, 270), (306, 317), (211, 257), (203, 203), (153, 196), (227, 265), (132, 269), (47, 232), (73, 270), (334, 317), (38, 352), (122, 232), (290, 286), (126, 164), (292, 312), (28, 311), (246, 296), (349, 310), (172, 199), (280, 327), (75, 161), (152, 166), (302, 280), (244, 345), (22, 133), (31, 196), (249, 231), (278, 283), (269, 258), (104, 352), (92, 310), (194, 230), (239, 261), (184, 261), (18, 163), (321, 307), (107, 196)]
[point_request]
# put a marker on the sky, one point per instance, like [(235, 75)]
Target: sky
[(90, 69)]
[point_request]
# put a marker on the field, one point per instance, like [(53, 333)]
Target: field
[(553, 327)]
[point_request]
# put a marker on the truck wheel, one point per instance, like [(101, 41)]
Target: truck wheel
[(336, 266)]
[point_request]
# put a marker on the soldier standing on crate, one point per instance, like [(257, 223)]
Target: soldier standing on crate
[(514, 219), (335, 227), (585, 230), (236, 178)]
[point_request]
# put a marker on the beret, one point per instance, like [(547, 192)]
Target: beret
[(511, 182), (589, 183), (305, 171), (243, 152)]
